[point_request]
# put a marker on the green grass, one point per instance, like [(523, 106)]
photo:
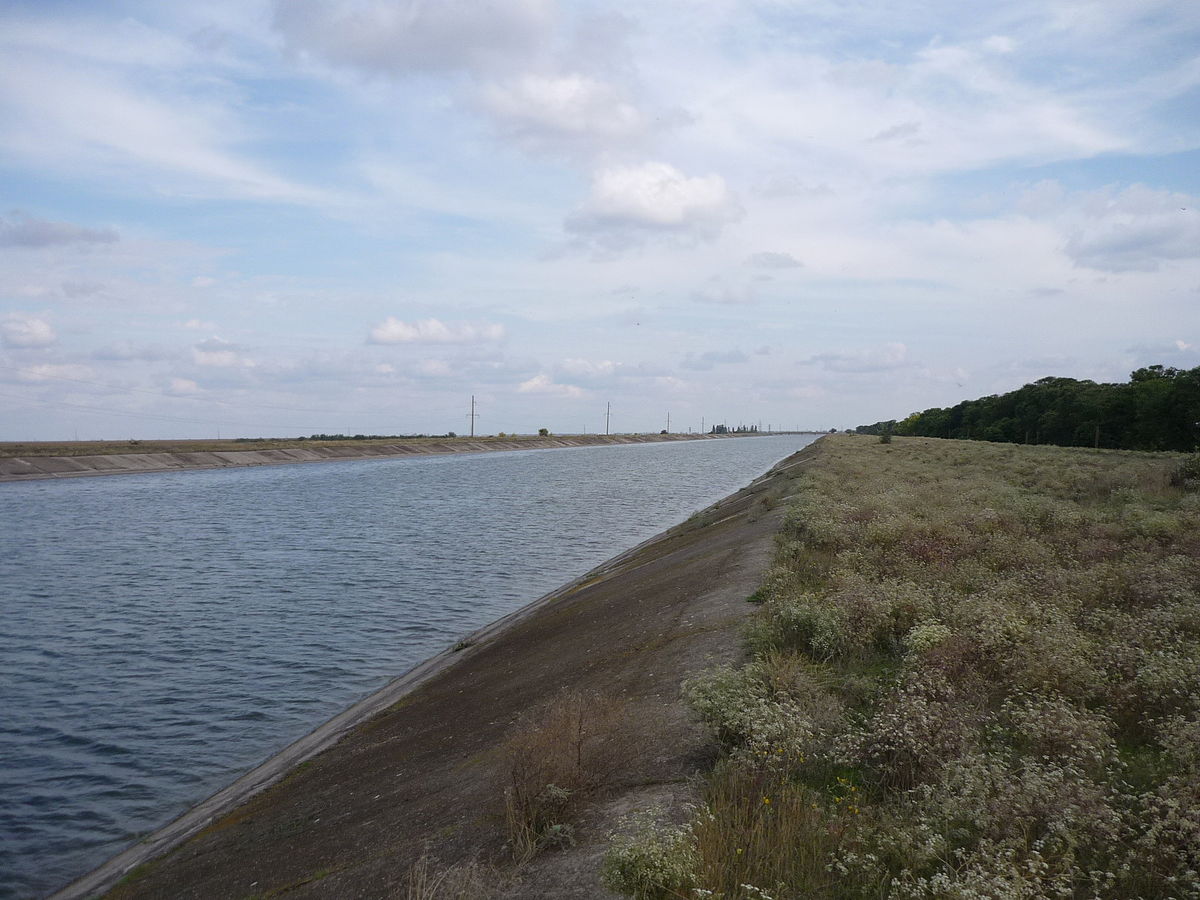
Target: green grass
[(975, 672)]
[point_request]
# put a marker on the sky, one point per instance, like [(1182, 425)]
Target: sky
[(243, 218)]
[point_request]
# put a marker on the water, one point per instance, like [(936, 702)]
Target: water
[(164, 633)]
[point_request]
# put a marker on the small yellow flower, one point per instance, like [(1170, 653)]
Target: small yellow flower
[(766, 800)]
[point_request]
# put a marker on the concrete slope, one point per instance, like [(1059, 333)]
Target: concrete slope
[(14, 468), (419, 766)]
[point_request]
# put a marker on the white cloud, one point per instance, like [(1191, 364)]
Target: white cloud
[(769, 259), (434, 368), (1137, 229), (585, 367), (433, 331), (20, 229), (51, 372), (629, 203), (418, 35), (998, 43), (220, 354), (875, 359), (183, 387), (710, 359), (95, 122), (543, 384), (544, 110), (23, 331), (74, 290), (127, 351), (719, 291)]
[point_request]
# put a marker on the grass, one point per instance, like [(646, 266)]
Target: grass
[(429, 880), (557, 759), (974, 672)]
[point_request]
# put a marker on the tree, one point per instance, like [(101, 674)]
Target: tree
[(1157, 409)]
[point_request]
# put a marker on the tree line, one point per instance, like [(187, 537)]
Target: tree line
[(1157, 409)]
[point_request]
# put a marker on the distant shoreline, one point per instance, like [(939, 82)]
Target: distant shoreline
[(175, 457)]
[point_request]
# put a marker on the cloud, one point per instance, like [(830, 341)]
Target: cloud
[(99, 123), (543, 384), (51, 372), (875, 359), (1134, 230), (220, 354), (19, 229), (903, 131), (74, 290), (628, 204), (126, 351), (768, 259), (433, 331), (432, 368), (183, 387), (541, 111), (713, 358), (585, 367), (396, 39), (719, 291), (22, 331)]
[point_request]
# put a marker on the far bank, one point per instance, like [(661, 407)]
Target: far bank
[(28, 464)]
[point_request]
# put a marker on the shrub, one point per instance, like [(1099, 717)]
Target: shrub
[(992, 654), (1186, 474), (555, 760), (428, 880), (649, 861)]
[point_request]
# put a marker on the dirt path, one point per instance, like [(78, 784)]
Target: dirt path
[(426, 773)]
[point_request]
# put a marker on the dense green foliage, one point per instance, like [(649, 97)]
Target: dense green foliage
[(1158, 409)]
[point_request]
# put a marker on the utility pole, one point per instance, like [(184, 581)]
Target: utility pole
[(668, 421), (473, 415), (607, 413), (702, 424)]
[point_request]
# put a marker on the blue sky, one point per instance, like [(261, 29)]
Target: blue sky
[(279, 218)]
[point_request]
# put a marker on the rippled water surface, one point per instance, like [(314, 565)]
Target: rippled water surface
[(163, 633)]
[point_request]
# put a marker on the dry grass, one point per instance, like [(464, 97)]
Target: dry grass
[(428, 880), (557, 759), (975, 673)]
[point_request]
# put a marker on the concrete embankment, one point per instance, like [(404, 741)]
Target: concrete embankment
[(26, 468), (421, 766)]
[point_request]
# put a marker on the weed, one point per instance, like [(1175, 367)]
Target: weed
[(556, 759), (428, 880), (975, 673)]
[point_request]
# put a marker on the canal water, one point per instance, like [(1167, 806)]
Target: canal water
[(164, 633)]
